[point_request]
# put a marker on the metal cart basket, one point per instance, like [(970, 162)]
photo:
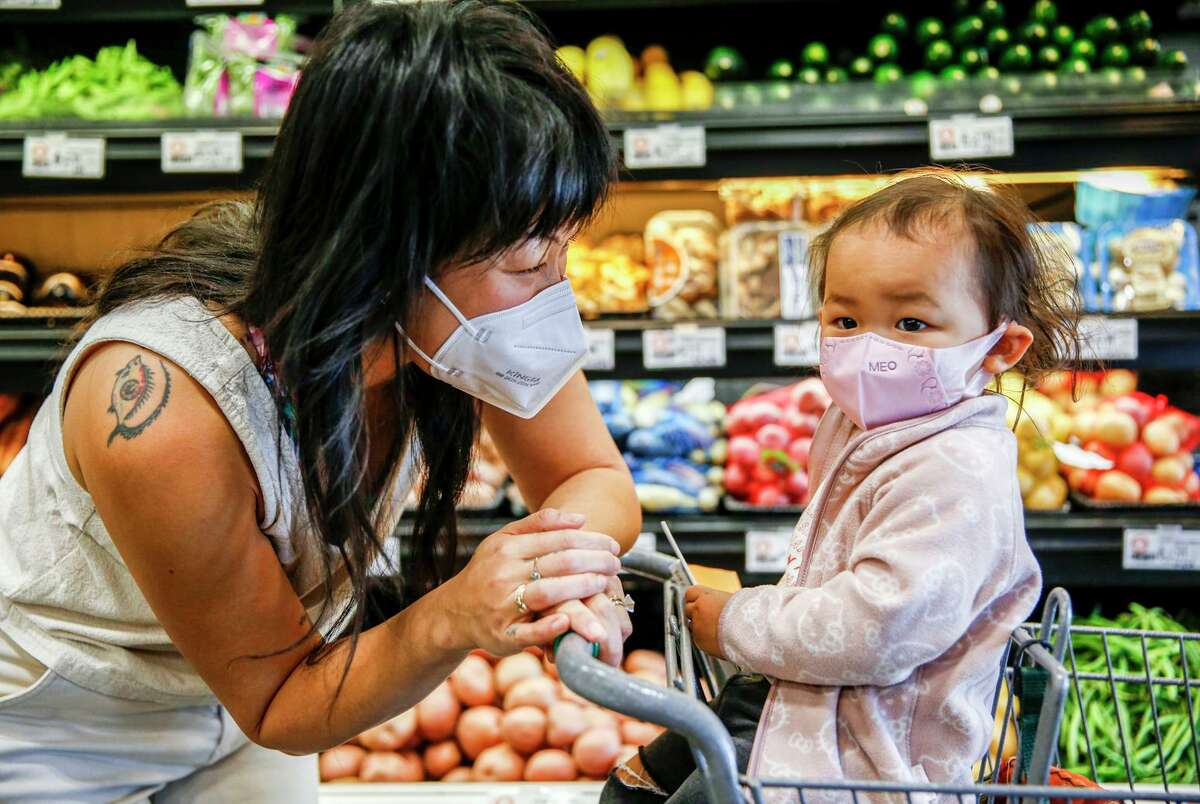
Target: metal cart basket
[(1039, 677)]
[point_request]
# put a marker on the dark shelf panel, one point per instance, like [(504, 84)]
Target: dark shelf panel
[(73, 11), (749, 142), (1169, 342), (1078, 550)]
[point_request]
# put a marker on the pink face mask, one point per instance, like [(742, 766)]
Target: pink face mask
[(877, 381)]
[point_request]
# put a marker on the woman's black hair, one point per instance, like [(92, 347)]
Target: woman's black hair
[(421, 136)]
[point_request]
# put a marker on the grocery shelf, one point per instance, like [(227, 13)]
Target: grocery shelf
[(1079, 549), (70, 11), (1167, 341), (745, 142)]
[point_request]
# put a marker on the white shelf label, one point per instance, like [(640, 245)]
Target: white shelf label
[(211, 3), (665, 146), (794, 293), (970, 137), (602, 350), (1104, 338), (767, 550), (683, 346), (647, 542), (202, 152), (30, 5), (1163, 548), (57, 156), (798, 344)]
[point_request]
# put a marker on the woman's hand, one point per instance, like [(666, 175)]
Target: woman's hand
[(598, 619), (482, 599), (703, 607)]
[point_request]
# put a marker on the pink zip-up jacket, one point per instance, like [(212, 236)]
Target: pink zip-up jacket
[(906, 575)]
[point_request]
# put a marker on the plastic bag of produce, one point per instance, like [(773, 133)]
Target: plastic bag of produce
[(682, 253), (764, 272), (1151, 266)]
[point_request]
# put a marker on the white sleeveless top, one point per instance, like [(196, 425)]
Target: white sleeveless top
[(66, 597)]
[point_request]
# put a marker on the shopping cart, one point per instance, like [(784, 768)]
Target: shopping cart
[(1039, 679)]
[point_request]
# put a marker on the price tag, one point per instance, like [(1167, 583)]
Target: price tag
[(798, 344), (602, 351), (30, 5), (57, 156), (1104, 338), (683, 346), (969, 137), (202, 152), (211, 3), (767, 550), (794, 295), (647, 542), (1163, 548), (665, 147)]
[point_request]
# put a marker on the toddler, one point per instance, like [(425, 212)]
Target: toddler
[(876, 655)]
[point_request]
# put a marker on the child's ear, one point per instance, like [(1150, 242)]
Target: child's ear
[(1008, 352)]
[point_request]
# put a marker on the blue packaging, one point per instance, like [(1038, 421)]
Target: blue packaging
[(1076, 243)]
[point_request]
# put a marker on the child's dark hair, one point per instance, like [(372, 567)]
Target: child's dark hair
[(1024, 277)]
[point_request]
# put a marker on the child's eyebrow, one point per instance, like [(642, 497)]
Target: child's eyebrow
[(911, 296)]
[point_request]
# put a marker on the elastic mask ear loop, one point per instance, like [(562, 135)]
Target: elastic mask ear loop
[(462, 319), (413, 345)]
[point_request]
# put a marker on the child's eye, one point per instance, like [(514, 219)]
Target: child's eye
[(910, 325), (845, 322)]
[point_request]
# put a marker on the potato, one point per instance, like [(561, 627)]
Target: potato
[(499, 763), (1025, 480), (596, 751), (1161, 437), (517, 667), (460, 774), (637, 732), (478, 729), (539, 691), (1048, 495), (524, 728), (388, 766), (1170, 471), (441, 758), (1114, 486), (473, 682), (551, 765), (597, 718), (1118, 429), (1160, 495), (645, 660), (436, 715), (564, 723), (340, 762)]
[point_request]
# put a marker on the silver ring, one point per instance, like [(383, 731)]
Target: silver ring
[(536, 574), (521, 607), (623, 602)]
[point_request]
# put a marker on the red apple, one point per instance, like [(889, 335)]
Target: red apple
[(797, 485), (760, 413), (744, 451), (764, 475), (810, 396), (737, 480), (1141, 410), (798, 450), (773, 436), (1192, 486), (1102, 449), (1136, 461), (769, 496)]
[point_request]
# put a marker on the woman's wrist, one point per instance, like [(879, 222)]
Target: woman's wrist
[(439, 625)]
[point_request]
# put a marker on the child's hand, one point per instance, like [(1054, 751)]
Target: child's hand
[(703, 608)]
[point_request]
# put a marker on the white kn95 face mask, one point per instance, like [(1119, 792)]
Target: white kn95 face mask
[(516, 359)]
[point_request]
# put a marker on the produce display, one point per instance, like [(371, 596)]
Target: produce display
[(243, 66), (20, 289), (617, 80), (682, 253), (762, 200), (609, 277), (1039, 421), (1151, 266), (119, 84), (1178, 719), (505, 720), (764, 271), (1148, 442), (16, 417), (486, 479), (769, 438), (669, 435)]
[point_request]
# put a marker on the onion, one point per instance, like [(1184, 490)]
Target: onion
[(340, 762), (437, 713), (441, 758), (596, 751), (478, 729), (388, 766), (539, 691), (517, 667), (524, 728), (473, 682), (500, 763), (460, 774), (564, 723), (551, 765)]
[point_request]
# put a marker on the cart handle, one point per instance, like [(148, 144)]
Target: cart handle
[(653, 565), (634, 697)]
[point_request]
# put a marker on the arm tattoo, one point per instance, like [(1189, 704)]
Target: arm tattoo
[(136, 398)]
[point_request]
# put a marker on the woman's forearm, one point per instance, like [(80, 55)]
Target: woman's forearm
[(396, 664), (607, 498)]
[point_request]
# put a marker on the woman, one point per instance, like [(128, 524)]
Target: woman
[(205, 491)]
